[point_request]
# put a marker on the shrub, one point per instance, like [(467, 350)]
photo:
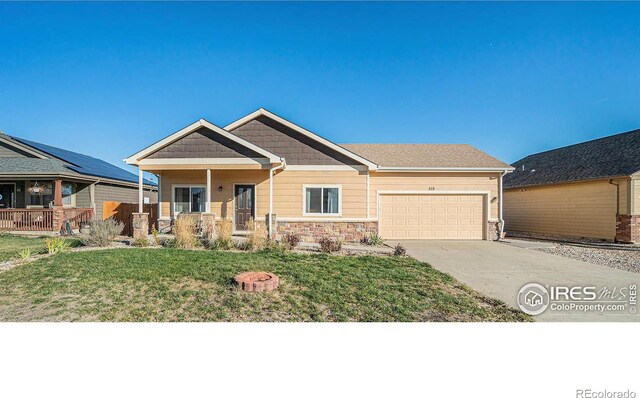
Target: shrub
[(243, 245), (141, 242), (290, 241), (399, 250), (102, 233), (329, 245), (185, 233), (257, 234), (23, 255), (278, 247), (221, 244), (373, 240), (57, 245), (156, 238)]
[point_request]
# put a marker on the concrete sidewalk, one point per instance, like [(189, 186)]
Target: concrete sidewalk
[(499, 270)]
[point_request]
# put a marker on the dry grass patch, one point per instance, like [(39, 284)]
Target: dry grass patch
[(182, 285)]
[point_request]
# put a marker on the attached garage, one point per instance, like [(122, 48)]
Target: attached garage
[(433, 216)]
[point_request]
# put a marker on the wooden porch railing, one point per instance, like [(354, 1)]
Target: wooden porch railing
[(78, 216), (42, 219), (26, 219)]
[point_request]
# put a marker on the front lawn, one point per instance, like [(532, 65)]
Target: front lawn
[(180, 285), (10, 245)]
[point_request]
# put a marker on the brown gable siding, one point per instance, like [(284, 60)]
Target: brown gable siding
[(289, 144), (204, 143)]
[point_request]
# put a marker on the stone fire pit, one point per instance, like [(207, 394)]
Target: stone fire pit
[(257, 281)]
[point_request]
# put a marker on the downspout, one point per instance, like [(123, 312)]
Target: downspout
[(158, 195), (92, 194), (500, 196), (271, 170), (617, 206), (617, 196)]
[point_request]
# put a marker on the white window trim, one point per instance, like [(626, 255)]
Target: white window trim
[(304, 200), (173, 195)]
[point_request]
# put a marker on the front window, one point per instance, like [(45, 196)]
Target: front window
[(322, 200), (67, 190), (189, 199), (40, 193)]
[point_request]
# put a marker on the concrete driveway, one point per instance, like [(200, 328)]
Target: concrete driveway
[(499, 270)]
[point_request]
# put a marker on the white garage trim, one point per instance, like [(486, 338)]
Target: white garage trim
[(487, 200)]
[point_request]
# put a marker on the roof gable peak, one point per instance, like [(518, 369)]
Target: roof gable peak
[(263, 112), (136, 157)]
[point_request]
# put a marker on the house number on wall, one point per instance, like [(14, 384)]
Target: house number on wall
[(431, 188)]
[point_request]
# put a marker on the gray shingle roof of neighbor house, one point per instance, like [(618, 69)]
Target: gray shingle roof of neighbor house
[(426, 155), (613, 156), (32, 166), (66, 162)]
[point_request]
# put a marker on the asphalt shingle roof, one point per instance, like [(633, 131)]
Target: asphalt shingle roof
[(84, 164), (32, 166), (425, 155), (613, 156)]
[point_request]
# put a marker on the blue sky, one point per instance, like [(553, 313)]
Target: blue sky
[(108, 79)]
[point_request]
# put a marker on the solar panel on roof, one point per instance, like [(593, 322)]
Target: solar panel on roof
[(86, 164)]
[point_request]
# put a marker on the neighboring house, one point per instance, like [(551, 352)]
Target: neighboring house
[(589, 190), (263, 164), (36, 179)]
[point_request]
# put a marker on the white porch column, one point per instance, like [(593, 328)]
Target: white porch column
[(269, 228), (140, 191), (159, 196), (208, 204)]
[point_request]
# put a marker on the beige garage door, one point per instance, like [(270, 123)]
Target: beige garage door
[(431, 216)]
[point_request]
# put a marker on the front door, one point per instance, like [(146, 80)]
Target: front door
[(244, 208), (7, 195)]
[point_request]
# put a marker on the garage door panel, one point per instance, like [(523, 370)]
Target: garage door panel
[(432, 216)]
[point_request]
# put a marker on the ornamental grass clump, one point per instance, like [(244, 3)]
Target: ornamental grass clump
[(23, 255), (257, 237), (373, 240), (184, 230), (102, 233), (141, 242), (224, 230), (57, 245)]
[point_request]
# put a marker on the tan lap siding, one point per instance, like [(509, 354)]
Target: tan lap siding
[(288, 195), (585, 209), (440, 182)]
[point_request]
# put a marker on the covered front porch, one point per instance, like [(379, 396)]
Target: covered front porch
[(237, 195), (41, 204)]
